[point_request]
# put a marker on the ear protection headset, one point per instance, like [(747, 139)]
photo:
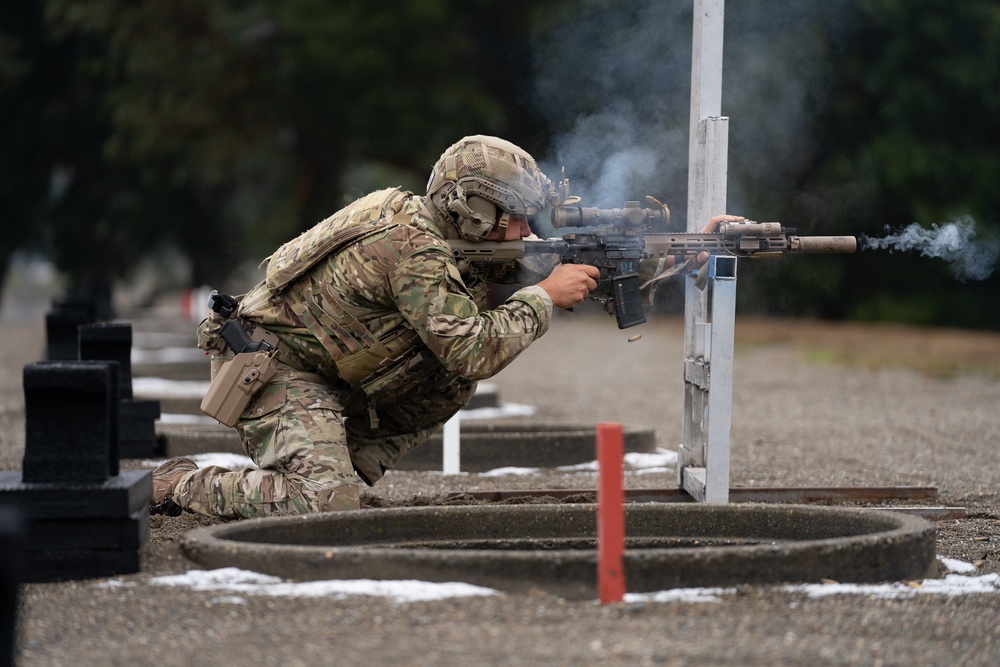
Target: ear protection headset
[(476, 216)]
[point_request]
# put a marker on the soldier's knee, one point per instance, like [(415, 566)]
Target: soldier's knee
[(344, 497)]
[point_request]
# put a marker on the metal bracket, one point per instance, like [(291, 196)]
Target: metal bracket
[(703, 458)]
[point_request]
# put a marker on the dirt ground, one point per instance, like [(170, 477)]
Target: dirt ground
[(814, 404)]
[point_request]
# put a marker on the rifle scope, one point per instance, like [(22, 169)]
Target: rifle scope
[(632, 215)]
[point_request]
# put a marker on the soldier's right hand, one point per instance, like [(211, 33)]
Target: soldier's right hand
[(569, 284)]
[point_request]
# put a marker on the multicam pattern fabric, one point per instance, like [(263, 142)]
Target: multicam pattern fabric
[(496, 170), (398, 280), (294, 432), (395, 289)]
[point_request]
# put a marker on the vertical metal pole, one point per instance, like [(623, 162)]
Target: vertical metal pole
[(707, 179), (722, 283), (610, 513), (708, 379), (451, 446)]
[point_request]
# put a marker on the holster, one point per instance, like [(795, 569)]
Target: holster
[(236, 383)]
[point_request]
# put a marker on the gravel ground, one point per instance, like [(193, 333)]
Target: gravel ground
[(814, 404)]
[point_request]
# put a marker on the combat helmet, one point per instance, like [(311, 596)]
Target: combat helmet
[(480, 174)]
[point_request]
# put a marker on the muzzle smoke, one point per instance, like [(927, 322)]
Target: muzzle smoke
[(956, 242), (613, 80)]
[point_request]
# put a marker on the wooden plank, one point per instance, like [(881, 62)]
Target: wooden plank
[(777, 494)]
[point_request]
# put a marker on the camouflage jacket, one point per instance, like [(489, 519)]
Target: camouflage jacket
[(364, 309)]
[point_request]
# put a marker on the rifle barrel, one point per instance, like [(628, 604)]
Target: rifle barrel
[(824, 244)]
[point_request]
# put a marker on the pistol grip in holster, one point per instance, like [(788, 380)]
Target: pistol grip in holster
[(236, 384), (236, 338)]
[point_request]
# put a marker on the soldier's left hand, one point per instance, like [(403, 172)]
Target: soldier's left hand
[(711, 228)]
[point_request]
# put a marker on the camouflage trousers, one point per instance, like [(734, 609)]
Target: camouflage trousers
[(309, 436), (294, 431)]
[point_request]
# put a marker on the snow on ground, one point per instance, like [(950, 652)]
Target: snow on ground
[(960, 579), (153, 388), (235, 583)]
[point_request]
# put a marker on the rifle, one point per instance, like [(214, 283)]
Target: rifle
[(635, 234)]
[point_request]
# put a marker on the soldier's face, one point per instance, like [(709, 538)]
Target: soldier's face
[(517, 228)]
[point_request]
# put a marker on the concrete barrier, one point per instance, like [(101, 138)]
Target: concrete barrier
[(552, 546), (485, 444)]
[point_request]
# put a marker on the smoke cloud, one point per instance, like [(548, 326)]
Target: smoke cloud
[(613, 79), (956, 242)]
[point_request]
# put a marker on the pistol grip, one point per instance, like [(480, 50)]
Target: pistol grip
[(627, 300)]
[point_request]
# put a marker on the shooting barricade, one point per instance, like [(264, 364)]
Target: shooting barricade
[(85, 517), (136, 418)]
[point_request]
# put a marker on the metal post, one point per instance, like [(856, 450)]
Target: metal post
[(610, 513), (708, 377), (707, 178), (451, 446)]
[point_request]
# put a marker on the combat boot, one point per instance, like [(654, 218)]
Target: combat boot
[(165, 480)]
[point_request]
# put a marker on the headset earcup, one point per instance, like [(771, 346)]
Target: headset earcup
[(481, 216)]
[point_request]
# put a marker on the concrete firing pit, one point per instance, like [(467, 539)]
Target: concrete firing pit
[(485, 445), (552, 546)]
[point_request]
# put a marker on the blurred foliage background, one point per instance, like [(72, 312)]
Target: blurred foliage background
[(195, 137)]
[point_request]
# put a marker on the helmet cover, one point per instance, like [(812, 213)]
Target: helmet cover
[(490, 169)]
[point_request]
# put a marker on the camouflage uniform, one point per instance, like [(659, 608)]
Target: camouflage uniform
[(381, 339)]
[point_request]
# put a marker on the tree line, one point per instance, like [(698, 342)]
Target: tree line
[(220, 130)]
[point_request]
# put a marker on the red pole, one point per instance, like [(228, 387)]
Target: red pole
[(610, 513), (186, 304)]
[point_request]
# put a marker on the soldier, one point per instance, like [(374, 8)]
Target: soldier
[(379, 336)]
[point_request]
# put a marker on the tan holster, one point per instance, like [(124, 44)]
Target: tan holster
[(236, 383)]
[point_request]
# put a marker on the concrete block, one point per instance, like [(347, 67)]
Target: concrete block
[(486, 396), (119, 496), (83, 534), (485, 445), (49, 566), (12, 528), (80, 530), (488, 445), (71, 421), (137, 428), (61, 330), (109, 341)]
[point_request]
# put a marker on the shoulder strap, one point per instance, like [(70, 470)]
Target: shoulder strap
[(366, 216), (365, 353)]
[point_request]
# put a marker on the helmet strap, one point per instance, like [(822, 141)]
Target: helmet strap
[(502, 225)]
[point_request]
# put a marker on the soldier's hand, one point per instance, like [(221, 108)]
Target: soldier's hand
[(569, 284), (711, 228)]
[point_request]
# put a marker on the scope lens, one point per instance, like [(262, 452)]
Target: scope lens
[(567, 216)]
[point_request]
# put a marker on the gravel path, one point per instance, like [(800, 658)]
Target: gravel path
[(812, 405)]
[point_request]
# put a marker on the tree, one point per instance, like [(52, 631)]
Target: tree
[(904, 134), (25, 148), (224, 128), (911, 135)]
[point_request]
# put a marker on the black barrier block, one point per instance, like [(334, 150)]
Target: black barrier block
[(137, 429), (75, 534), (120, 496), (96, 298), (12, 539), (109, 342), (71, 421), (61, 330), (77, 530), (50, 566)]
